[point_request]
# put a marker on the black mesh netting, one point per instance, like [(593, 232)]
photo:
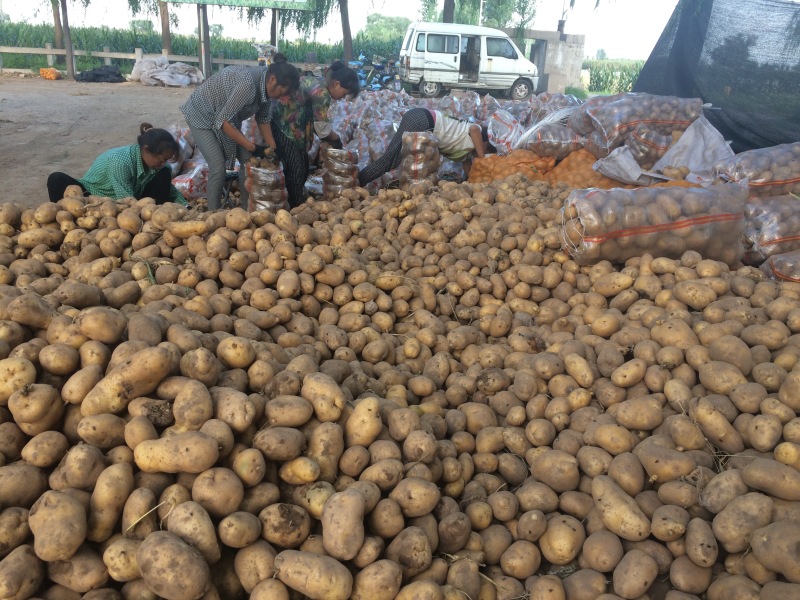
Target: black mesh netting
[(741, 56)]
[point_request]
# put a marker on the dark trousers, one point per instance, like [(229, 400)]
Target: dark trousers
[(295, 166), (158, 188), (416, 119)]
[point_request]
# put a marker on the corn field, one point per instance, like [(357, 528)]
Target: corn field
[(614, 76), (94, 39)]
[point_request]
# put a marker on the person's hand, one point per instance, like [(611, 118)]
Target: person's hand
[(262, 151), (335, 144)]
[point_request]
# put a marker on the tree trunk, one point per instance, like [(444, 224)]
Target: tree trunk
[(347, 36), (67, 41), (59, 41), (449, 11), (166, 37), (273, 28)]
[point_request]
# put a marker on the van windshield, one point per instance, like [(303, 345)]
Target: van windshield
[(407, 41)]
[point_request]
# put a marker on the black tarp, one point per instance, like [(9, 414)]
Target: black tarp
[(742, 57), (104, 74)]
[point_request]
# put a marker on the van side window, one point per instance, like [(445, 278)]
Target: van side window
[(421, 42), (446, 44), (407, 41), (500, 47)]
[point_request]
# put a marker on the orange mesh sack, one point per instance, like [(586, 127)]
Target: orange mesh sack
[(577, 171), (772, 225), (783, 267), (518, 162), (618, 224), (770, 171), (49, 73)]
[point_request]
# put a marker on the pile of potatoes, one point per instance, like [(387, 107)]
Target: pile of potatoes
[(384, 397)]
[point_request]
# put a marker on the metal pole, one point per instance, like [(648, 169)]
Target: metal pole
[(205, 45)]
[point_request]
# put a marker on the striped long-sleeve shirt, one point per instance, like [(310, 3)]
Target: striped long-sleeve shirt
[(233, 94)]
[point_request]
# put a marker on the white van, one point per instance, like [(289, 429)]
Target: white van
[(437, 56)]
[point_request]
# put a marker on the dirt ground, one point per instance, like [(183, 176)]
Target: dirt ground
[(48, 126)]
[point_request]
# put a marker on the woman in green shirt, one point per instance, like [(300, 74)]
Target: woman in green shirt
[(138, 171)]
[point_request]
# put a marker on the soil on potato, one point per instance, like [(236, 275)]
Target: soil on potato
[(48, 126)]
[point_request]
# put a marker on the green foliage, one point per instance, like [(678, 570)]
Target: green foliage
[(93, 39), (579, 93), (612, 76), (427, 10), (142, 25), (381, 27)]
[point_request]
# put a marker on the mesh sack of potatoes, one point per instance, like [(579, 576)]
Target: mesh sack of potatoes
[(553, 139), (519, 162), (580, 120), (772, 225), (265, 184), (647, 145), (619, 224), (772, 171), (419, 163), (785, 267), (339, 171), (49, 73), (614, 121), (504, 130), (577, 171)]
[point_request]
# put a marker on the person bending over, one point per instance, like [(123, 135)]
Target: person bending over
[(216, 109), (459, 141), (139, 171)]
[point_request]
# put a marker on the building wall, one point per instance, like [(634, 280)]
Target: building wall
[(558, 56)]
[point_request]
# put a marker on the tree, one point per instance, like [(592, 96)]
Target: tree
[(215, 30), (59, 31), (67, 41), (381, 27), (601, 54), (427, 10), (449, 11), (308, 21), (141, 25), (166, 36)]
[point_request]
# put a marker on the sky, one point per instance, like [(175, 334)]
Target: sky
[(623, 28)]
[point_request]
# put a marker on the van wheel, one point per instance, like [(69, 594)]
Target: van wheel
[(431, 89), (521, 90)]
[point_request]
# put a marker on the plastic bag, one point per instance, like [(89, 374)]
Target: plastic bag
[(621, 166), (664, 114), (772, 171), (698, 150), (449, 105), (618, 224), (488, 107), (520, 109), (522, 162), (553, 139), (504, 131), (647, 146), (470, 105), (266, 185), (783, 267), (451, 171), (339, 171), (192, 182), (419, 162), (580, 121), (772, 225)]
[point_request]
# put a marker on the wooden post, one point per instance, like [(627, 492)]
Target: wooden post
[(205, 44), (221, 57), (106, 60), (50, 57), (138, 55), (165, 54)]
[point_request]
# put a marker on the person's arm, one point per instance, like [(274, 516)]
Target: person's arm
[(266, 133), (477, 140), (467, 165), (176, 196), (121, 177), (237, 136)]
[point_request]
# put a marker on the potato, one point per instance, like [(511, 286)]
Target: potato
[(380, 580), (189, 575), (343, 524), (735, 523), (58, 523), (21, 573), (773, 477), (411, 549), (315, 576), (112, 489), (36, 408), (285, 525), (188, 452), (83, 572), (135, 377), (239, 529), (192, 523), (15, 373), (325, 396), (775, 547), (618, 511), (634, 574), (562, 540), (416, 497)]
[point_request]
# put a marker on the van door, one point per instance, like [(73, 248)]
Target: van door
[(499, 68), (442, 55), (470, 61)]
